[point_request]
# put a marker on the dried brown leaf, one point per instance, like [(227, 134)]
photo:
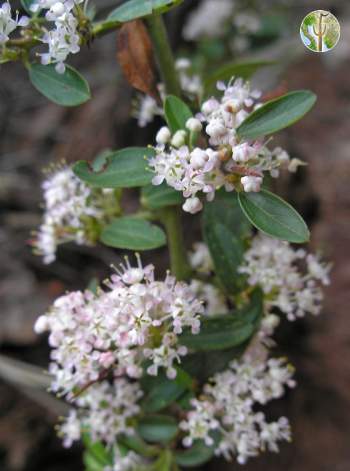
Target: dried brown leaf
[(135, 55)]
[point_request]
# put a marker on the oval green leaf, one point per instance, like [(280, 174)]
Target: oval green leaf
[(198, 454), (226, 331), (176, 113), (224, 228), (218, 334), (275, 217), (277, 114), (157, 428), (97, 451), (233, 69), (68, 89), (161, 391), (135, 443), (133, 234), (134, 9), (126, 168), (161, 196), (227, 252)]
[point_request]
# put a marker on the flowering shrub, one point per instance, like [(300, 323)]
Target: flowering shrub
[(167, 374)]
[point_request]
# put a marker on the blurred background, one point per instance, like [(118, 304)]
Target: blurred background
[(35, 133)]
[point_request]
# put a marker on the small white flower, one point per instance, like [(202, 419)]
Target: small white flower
[(194, 125)]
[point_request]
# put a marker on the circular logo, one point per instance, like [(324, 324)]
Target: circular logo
[(320, 31)]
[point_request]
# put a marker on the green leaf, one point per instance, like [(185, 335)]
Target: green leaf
[(135, 443), (134, 9), (198, 454), (126, 168), (233, 69), (91, 463), (68, 89), (164, 462), (275, 217), (97, 451), (252, 311), (277, 114), (226, 331), (161, 391), (157, 428), (224, 227), (227, 253), (101, 160), (218, 333), (160, 196), (133, 234), (225, 209), (176, 113), (203, 365), (26, 4)]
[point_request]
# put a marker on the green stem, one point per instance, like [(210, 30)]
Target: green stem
[(171, 218), (163, 54)]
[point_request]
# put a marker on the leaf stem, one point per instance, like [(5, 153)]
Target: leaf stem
[(163, 54), (171, 218)]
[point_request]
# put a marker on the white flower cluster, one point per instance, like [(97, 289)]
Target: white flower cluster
[(136, 319), (208, 19), (147, 107), (227, 161), (64, 38), (214, 301), (126, 462), (278, 269), (69, 205), (228, 406), (216, 19), (104, 410), (9, 24)]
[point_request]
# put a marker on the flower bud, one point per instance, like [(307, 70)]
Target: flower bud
[(194, 125), (41, 325), (192, 205), (163, 136), (179, 138), (251, 183)]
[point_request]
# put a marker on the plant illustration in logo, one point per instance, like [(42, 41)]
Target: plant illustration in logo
[(320, 31)]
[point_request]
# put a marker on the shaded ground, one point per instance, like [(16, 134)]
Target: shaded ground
[(34, 133)]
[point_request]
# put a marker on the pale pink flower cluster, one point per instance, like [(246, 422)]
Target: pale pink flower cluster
[(104, 411), (69, 206), (228, 404), (8, 24), (227, 161), (64, 38), (291, 278), (114, 331)]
